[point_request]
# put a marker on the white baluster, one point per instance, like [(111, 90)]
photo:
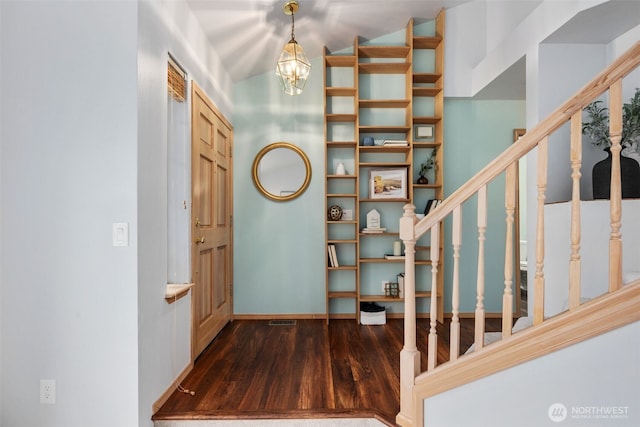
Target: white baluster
[(456, 240), (433, 313), (576, 164), (482, 228), (538, 303)]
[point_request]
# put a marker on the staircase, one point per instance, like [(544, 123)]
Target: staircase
[(582, 320)]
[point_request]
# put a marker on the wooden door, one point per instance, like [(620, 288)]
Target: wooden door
[(211, 222)]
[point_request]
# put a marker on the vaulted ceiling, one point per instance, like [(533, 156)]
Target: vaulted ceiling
[(248, 35)]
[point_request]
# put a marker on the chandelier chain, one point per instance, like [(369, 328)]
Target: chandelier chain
[(293, 38)]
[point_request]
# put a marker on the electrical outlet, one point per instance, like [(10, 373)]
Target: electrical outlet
[(48, 391)]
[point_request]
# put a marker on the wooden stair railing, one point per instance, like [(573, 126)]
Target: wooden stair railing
[(414, 386)]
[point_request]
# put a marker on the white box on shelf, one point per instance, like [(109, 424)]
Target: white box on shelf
[(375, 318)]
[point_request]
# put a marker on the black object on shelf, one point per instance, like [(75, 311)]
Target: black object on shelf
[(371, 307)]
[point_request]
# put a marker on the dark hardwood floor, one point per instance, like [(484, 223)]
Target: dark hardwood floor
[(256, 370)]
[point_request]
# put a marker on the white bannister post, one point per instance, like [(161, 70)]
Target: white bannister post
[(615, 239), (409, 355), (432, 346), (510, 208), (576, 164), (538, 298), (482, 229), (456, 240)]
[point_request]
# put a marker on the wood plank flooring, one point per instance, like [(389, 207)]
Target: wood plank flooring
[(309, 370)]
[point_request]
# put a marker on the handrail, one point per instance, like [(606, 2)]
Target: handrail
[(413, 386), (618, 69)]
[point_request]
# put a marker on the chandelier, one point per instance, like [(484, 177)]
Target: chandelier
[(293, 66)]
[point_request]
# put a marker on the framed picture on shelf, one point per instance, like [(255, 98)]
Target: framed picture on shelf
[(388, 183)]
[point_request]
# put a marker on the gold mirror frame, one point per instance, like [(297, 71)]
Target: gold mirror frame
[(256, 165)]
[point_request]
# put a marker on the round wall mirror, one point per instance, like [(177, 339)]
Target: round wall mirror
[(281, 171)]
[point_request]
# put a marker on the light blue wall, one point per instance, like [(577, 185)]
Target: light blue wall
[(279, 251), (279, 246), (475, 133)]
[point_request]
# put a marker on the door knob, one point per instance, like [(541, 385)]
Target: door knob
[(200, 240)]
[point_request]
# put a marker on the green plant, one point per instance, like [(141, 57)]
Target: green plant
[(597, 128), (428, 164)]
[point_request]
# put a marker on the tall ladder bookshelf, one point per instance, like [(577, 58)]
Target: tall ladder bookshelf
[(386, 91)]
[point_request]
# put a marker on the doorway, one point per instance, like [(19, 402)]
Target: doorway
[(211, 222)]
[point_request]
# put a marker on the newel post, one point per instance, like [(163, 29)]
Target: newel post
[(409, 356)]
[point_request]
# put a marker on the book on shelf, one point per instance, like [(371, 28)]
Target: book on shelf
[(391, 256), (333, 256), (401, 285), (431, 205), (395, 142), (373, 230)]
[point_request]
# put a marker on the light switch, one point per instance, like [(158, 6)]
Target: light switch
[(120, 234)]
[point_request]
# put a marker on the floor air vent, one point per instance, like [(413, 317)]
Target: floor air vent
[(282, 323)]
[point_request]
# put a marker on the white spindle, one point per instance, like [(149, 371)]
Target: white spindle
[(615, 239), (433, 313), (576, 164), (456, 240), (510, 208), (482, 228), (538, 303)]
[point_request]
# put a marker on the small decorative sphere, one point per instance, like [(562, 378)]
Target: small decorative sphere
[(334, 213)]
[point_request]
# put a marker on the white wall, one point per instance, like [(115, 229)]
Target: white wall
[(83, 109), (69, 298), (563, 70), (164, 330), (601, 372), (594, 249)]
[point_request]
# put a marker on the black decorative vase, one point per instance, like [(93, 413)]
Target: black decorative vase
[(629, 177), (422, 180)]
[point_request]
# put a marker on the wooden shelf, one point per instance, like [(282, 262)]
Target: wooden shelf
[(384, 103), (384, 234), (383, 298), (384, 68), (426, 91), (340, 91), (341, 144), (407, 87), (341, 195), (342, 294), (384, 165), (385, 149), (341, 177), (343, 241), (384, 129), (426, 42), (389, 261), (426, 77), (383, 51), (340, 60), (428, 144), (362, 200), (351, 118), (346, 267), (426, 186), (425, 120)]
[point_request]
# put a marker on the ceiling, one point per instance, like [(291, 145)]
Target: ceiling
[(248, 35)]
